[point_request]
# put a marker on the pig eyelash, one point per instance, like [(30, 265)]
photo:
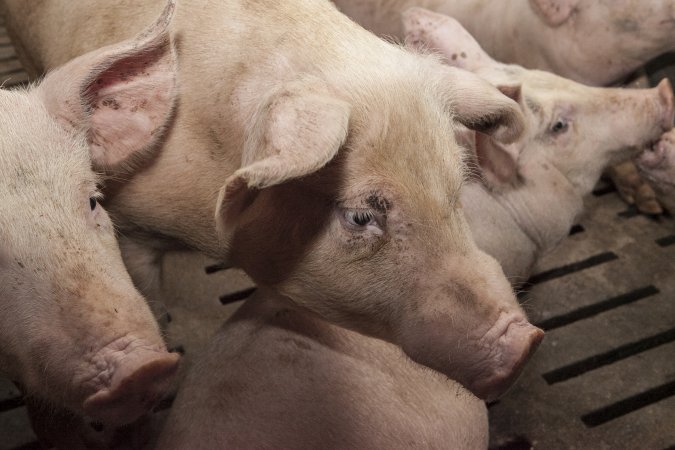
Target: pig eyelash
[(360, 220)]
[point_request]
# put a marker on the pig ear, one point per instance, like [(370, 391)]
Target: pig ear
[(293, 135), (554, 12), (121, 96), (427, 29), (481, 107), (499, 161)]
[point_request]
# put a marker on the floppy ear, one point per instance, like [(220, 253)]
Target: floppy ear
[(554, 12), (295, 133), (499, 161), (121, 96), (482, 107), (427, 29)]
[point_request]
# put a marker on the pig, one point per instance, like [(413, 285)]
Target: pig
[(525, 205), (657, 165), (75, 334), (595, 42), (276, 375), (323, 162), (554, 35)]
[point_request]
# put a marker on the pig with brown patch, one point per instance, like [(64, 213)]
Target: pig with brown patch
[(526, 203), (276, 375), (75, 334), (321, 160)]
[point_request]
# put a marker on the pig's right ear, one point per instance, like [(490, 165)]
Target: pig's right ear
[(122, 96), (295, 133), (478, 105), (554, 12)]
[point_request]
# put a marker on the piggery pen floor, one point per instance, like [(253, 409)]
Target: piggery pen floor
[(604, 377)]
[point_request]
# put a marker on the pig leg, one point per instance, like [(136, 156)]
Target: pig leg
[(144, 264), (633, 189)]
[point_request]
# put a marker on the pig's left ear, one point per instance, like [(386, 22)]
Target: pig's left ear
[(295, 132), (554, 12), (478, 105), (121, 96)]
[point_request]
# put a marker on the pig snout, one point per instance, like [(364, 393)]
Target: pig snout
[(659, 155), (133, 376), (509, 345), (665, 93)]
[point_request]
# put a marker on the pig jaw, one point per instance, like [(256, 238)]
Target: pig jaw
[(132, 375)]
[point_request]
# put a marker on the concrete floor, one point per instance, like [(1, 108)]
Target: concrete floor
[(604, 378)]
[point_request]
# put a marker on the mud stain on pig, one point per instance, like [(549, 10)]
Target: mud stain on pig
[(625, 25)]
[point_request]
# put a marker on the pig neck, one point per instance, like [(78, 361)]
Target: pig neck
[(518, 225)]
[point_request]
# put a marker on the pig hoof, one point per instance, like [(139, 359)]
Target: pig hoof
[(515, 347), (134, 390), (646, 201)]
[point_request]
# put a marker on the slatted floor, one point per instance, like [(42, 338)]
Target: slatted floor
[(604, 378)]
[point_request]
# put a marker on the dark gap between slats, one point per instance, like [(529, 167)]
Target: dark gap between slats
[(571, 268), (666, 241), (177, 349), (11, 72), (11, 403), (599, 192), (672, 447), (628, 405), (215, 268), (631, 212), (236, 296), (576, 229), (612, 356), (35, 445), (597, 308)]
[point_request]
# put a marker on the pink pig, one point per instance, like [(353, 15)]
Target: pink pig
[(74, 332)]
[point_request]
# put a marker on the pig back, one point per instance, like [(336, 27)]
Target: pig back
[(275, 373)]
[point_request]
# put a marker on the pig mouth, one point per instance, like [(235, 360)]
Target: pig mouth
[(126, 379)]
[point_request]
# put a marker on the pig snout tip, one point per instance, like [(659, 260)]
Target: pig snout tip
[(514, 349), (665, 91), (137, 385)]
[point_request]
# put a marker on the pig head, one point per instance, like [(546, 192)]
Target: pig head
[(572, 133), (74, 332), (657, 164), (381, 246)]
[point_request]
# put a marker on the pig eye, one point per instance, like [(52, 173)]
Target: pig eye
[(92, 203), (560, 126), (359, 218)]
